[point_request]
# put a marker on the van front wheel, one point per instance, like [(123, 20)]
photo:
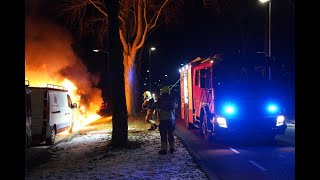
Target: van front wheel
[(71, 127), (50, 141)]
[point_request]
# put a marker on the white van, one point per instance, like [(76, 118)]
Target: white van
[(52, 112), (28, 113)]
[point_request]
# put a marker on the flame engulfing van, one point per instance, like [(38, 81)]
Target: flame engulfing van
[(224, 97), (51, 112)]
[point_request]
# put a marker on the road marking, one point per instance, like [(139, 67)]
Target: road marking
[(237, 152), (260, 167)]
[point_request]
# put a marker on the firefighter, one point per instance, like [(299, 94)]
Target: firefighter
[(165, 106), (147, 103)]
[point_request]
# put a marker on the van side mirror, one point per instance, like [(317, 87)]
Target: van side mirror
[(74, 105)]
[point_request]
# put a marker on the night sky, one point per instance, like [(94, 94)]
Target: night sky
[(201, 34), (205, 34)]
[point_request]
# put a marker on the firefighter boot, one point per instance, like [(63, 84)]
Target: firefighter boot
[(152, 128), (153, 125), (163, 150), (172, 149)]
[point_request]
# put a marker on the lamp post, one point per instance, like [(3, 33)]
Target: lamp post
[(108, 71), (106, 52), (150, 50), (269, 34)]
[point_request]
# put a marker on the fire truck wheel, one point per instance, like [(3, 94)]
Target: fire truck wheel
[(204, 129), (190, 126), (270, 139), (50, 141)]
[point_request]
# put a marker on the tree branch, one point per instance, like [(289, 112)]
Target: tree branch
[(99, 3), (139, 24), (158, 14), (154, 20)]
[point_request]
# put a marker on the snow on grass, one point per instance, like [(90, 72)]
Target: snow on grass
[(88, 156)]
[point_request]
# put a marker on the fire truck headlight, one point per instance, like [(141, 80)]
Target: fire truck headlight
[(272, 108), (280, 120), (222, 122)]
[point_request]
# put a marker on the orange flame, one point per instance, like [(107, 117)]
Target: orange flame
[(51, 60)]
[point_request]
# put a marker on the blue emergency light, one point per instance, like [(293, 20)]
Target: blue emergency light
[(272, 108)]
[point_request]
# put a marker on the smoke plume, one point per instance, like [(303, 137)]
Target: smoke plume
[(50, 59)]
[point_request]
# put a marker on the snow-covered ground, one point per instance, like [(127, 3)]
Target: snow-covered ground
[(86, 155)]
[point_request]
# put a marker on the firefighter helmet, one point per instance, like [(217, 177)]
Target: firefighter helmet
[(147, 95), (165, 89)]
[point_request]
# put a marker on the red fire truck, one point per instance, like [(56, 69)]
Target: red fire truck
[(224, 97)]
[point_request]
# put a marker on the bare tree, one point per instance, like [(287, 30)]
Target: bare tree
[(138, 18)]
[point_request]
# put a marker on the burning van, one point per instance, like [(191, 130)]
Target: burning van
[(52, 112), (28, 113)]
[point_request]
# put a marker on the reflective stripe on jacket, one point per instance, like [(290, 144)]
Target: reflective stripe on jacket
[(166, 106)]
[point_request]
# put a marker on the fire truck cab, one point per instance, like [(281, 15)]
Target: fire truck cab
[(223, 98)]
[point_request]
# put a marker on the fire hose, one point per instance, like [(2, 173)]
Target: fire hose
[(171, 86)]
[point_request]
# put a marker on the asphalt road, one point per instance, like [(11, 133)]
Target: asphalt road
[(242, 159)]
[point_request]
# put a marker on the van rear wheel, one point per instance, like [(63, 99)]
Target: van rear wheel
[(28, 141), (50, 141)]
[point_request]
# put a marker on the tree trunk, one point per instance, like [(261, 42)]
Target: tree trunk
[(131, 87), (119, 109), (129, 80)]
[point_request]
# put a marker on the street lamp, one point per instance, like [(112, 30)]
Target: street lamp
[(151, 49), (106, 52), (269, 32), (108, 71)]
